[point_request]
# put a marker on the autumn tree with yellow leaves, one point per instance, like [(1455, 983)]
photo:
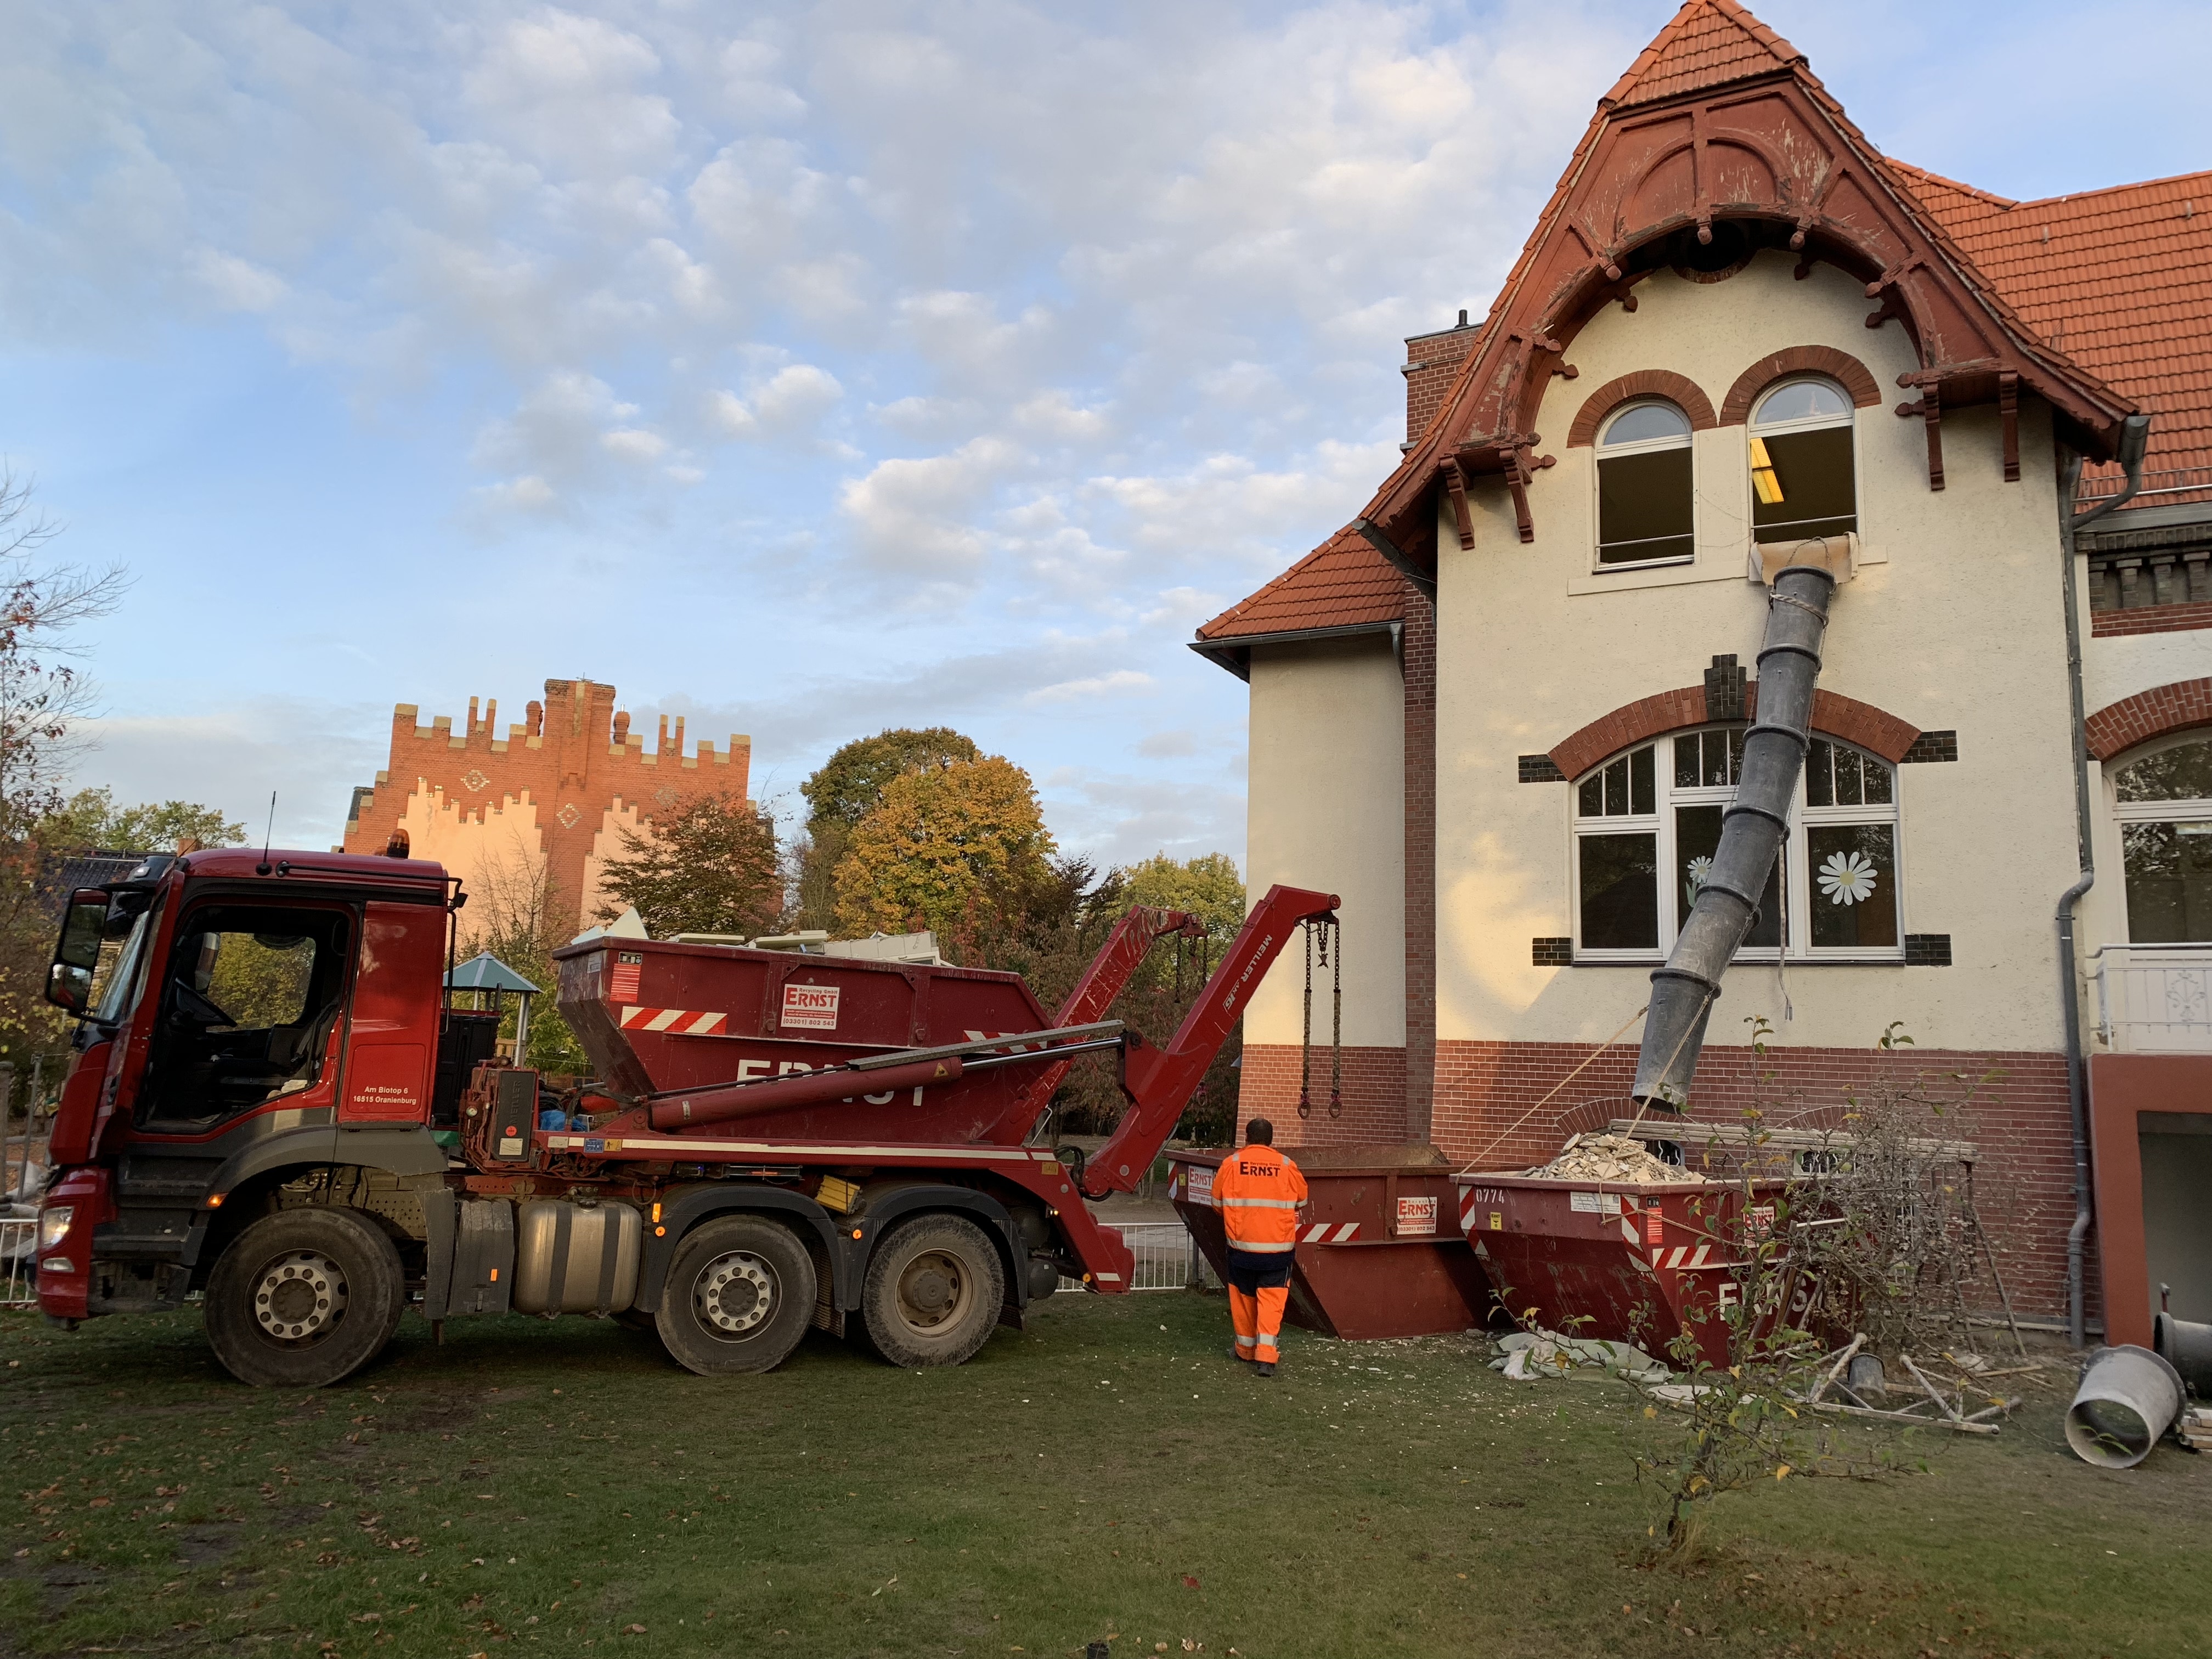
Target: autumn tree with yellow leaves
[(941, 842)]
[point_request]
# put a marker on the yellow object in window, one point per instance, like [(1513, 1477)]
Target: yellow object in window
[(1764, 482)]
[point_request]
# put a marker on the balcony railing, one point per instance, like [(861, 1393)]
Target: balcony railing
[(2153, 999)]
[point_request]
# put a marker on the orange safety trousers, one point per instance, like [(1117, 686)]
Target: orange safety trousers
[(1258, 1317)]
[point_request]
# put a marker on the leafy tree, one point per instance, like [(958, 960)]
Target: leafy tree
[(89, 820), (850, 784), (1207, 886), (939, 846), (513, 913), (42, 697), (709, 866), (846, 788)]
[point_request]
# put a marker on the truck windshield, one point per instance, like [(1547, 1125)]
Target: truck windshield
[(121, 990)]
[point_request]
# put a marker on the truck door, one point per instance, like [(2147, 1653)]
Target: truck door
[(249, 998), (394, 1038)]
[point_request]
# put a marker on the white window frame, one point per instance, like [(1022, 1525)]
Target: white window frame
[(1753, 428), (1686, 439), (1800, 878), (2193, 810)]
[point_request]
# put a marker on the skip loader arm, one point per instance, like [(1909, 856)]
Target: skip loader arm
[(1159, 1081)]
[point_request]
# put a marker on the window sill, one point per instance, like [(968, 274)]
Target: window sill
[(1711, 565), (1793, 964)]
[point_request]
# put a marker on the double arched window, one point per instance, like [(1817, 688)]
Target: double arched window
[(1804, 481), (1648, 822), (1643, 486), (2164, 804)]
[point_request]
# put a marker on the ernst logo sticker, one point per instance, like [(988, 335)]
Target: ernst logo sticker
[(810, 1007), (1416, 1216)]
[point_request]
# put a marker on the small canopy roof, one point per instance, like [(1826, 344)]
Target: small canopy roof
[(486, 972)]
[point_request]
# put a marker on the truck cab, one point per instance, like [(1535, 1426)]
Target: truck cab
[(253, 1027)]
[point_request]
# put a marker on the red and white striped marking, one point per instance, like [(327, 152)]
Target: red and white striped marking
[(1331, 1232), (1674, 1258), (680, 1022)]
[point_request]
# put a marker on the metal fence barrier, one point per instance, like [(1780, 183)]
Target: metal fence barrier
[(1168, 1258), (19, 1264)]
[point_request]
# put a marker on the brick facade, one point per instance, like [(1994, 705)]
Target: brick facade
[(1490, 1110), (1854, 375), (1374, 1095), (2151, 619), (1432, 360), (1677, 389), (574, 759), (2173, 708), (1872, 729)]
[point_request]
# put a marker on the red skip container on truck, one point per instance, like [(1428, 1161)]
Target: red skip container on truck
[(772, 1141)]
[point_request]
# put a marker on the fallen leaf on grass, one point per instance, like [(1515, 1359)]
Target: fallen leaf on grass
[(633, 1630), (1189, 1582)]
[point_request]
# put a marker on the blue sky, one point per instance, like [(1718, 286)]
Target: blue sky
[(810, 369)]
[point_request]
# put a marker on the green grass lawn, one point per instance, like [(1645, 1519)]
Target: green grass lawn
[(1111, 1474)]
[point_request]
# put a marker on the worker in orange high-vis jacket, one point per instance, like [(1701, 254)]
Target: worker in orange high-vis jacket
[(1258, 1191)]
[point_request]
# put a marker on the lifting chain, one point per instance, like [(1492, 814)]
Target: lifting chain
[(1326, 928)]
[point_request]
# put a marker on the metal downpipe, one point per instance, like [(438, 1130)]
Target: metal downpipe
[(2135, 440), (1751, 830)]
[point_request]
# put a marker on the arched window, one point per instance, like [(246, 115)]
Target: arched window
[(2165, 808), (1803, 483), (1643, 492), (1648, 822)]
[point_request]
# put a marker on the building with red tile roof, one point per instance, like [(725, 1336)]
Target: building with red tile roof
[(1497, 711)]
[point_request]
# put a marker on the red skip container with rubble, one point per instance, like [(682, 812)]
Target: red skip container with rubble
[(1379, 1252), (1631, 1264)]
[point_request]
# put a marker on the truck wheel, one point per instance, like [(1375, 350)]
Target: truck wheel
[(304, 1297), (738, 1297), (932, 1292)]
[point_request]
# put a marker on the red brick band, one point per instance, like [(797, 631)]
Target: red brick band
[(1861, 724), (2148, 714), (2151, 619), (1798, 359), (1644, 383)]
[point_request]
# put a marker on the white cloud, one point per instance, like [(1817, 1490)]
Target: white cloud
[(1121, 681), (917, 516), (796, 396), (634, 444), (236, 284)]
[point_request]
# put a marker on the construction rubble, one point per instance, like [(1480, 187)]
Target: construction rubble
[(1620, 1159), (1526, 1355)]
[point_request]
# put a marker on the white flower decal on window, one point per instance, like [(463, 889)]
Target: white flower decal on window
[(1847, 878), (1700, 871)]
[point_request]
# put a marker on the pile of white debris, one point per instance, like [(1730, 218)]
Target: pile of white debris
[(1621, 1160)]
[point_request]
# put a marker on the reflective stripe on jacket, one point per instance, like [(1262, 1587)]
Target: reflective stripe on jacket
[(1258, 1190)]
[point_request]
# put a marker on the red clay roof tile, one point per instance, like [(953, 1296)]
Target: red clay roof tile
[(1709, 43), (2120, 280), (1343, 583)]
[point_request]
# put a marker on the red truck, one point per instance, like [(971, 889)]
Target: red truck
[(275, 1104)]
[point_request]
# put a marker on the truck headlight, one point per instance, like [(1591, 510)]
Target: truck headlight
[(54, 1225)]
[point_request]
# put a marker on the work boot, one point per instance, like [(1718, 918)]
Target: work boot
[(1265, 1367), (1235, 1352)]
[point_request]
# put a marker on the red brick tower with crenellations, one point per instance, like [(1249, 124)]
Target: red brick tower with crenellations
[(545, 803)]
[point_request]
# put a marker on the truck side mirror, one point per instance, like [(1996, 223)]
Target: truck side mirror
[(69, 981)]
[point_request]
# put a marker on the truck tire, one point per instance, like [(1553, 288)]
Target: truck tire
[(739, 1296), (933, 1291), (304, 1297)]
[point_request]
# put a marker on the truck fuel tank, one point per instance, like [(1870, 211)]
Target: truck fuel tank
[(575, 1257)]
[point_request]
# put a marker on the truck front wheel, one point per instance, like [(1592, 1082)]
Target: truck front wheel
[(738, 1297), (932, 1293), (304, 1297)]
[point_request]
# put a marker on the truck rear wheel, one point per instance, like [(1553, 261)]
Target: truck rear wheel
[(932, 1292), (304, 1297), (738, 1297)]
